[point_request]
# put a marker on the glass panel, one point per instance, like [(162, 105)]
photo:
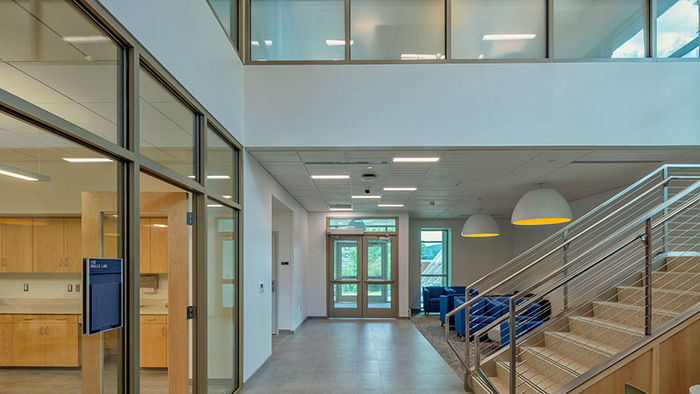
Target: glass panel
[(227, 12), (397, 29), (677, 26), (221, 318), (379, 296), (167, 126), (297, 29), (345, 296), (56, 58), (599, 28), (220, 165), (166, 286), (345, 266), (369, 225), (499, 29), (426, 281), (51, 211), (379, 259)]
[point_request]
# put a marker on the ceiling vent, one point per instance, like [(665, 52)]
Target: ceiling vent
[(340, 206), (368, 177)]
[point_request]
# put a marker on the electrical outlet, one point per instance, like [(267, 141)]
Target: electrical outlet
[(26, 287), (77, 287), (70, 288)]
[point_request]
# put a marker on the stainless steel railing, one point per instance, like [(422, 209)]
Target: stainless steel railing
[(569, 248)]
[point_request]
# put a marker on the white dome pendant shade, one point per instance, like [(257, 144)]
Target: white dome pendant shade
[(480, 226), (540, 207)]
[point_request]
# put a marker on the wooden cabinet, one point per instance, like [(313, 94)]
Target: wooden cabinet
[(57, 245), (154, 245), (44, 341), (17, 245), (154, 341), (5, 340)]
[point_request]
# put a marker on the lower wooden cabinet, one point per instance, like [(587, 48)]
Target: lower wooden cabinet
[(154, 341), (44, 341), (5, 340)]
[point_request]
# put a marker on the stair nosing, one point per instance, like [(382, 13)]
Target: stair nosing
[(636, 307), (523, 378), (611, 325), (566, 368), (562, 335), (679, 292)]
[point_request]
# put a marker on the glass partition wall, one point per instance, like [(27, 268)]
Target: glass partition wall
[(392, 31), (104, 154)]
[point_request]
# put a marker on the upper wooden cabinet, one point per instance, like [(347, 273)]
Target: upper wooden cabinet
[(73, 238), (57, 245), (17, 245), (154, 245), (145, 245)]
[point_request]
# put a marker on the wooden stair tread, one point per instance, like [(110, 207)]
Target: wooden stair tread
[(607, 350), (636, 307), (610, 324), (558, 358), (663, 290), (541, 381)]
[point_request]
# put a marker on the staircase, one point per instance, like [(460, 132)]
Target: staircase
[(627, 271)]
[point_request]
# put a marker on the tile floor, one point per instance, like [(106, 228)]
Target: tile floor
[(355, 356)]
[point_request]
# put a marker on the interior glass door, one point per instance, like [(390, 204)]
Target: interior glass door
[(345, 276), (380, 270)]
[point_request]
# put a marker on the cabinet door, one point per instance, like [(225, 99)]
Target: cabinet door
[(17, 245), (72, 237), (110, 237), (159, 245), (153, 345), (145, 238), (27, 344), (48, 245), (5, 343), (61, 344)]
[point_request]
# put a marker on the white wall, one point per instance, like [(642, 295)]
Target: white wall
[(186, 38), (259, 189), (315, 280), (519, 104)]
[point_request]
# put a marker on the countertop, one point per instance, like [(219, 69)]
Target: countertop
[(63, 307)]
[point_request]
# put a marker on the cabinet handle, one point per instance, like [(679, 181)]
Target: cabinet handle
[(28, 318), (162, 330), (60, 318), (4, 261), (152, 319), (46, 330), (41, 330)]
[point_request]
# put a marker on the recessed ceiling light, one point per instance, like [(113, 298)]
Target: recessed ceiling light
[(254, 43), (87, 159), (416, 159), (23, 174), (160, 225), (507, 37), (340, 209), (268, 43), (333, 43), (366, 197), (330, 176), (86, 39), (226, 196), (218, 177), (390, 205), (214, 206), (400, 189)]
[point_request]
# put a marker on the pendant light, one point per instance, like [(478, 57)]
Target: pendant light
[(540, 207), (480, 226)]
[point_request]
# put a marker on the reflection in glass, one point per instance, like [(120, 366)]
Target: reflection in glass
[(227, 13), (677, 25), (368, 224), (379, 259), (297, 30), (345, 253), (221, 297), (397, 29), (221, 165), (498, 29), (167, 126), (56, 58), (599, 28), (345, 295), (434, 257), (379, 296)]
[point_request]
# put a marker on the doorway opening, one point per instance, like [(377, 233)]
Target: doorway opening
[(282, 272)]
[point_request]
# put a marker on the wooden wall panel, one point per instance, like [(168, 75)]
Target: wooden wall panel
[(5, 343), (638, 372), (679, 367)]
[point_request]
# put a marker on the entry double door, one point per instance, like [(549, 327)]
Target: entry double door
[(362, 276)]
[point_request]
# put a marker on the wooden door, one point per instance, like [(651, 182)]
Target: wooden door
[(5, 341), (17, 245), (27, 343), (145, 252), (159, 245), (153, 345), (61, 344), (48, 245), (72, 240)]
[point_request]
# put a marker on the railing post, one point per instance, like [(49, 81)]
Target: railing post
[(566, 261), (513, 350), (467, 352), (647, 283), (665, 196)]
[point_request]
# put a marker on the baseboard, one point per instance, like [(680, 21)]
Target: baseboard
[(257, 372)]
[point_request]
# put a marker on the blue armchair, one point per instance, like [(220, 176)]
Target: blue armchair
[(447, 302), (431, 297), (524, 323), (482, 313)]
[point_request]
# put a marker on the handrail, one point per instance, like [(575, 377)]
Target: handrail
[(568, 241)]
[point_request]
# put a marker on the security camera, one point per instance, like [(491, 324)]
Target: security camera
[(367, 191)]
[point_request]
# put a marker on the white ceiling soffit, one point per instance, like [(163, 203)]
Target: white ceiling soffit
[(464, 180)]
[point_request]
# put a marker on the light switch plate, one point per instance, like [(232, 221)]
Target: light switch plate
[(26, 287)]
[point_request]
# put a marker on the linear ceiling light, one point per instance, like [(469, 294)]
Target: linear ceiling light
[(330, 176), (390, 205), (160, 225), (540, 207), (87, 159), (416, 159), (218, 177), (340, 209), (366, 197), (23, 174), (334, 43), (508, 37), (226, 196), (268, 43), (86, 39), (421, 56), (480, 226), (254, 43), (400, 189), (214, 206)]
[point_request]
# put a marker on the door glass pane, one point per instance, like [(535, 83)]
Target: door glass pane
[(221, 165), (379, 259), (379, 296), (345, 253), (677, 26), (297, 29), (58, 59), (384, 225), (51, 212), (221, 301), (498, 29), (599, 28), (397, 29), (167, 126), (344, 295), (166, 287)]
